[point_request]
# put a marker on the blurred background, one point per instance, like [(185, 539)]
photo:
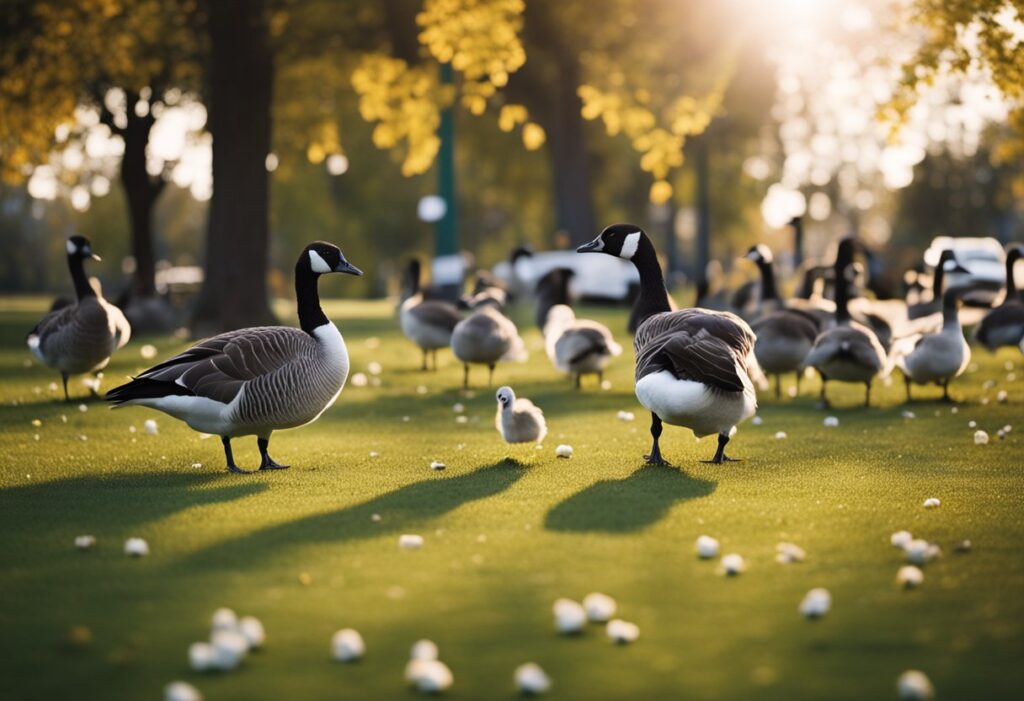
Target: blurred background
[(202, 145)]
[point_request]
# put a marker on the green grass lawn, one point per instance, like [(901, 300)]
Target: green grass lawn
[(507, 532)]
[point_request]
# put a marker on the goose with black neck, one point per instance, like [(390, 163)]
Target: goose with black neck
[(258, 380), (693, 366)]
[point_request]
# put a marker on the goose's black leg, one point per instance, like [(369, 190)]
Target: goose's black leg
[(778, 386), (798, 374), (823, 400), (906, 382), (267, 462), (720, 456), (434, 354), (867, 393), (64, 379), (945, 392), (579, 380), (424, 366), (490, 375), (232, 467), (600, 378), (465, 376), (655, 457)]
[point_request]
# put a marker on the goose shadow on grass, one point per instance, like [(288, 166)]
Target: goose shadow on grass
[(404, 508), (629, 504)]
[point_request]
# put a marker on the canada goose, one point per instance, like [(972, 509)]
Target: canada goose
[(427, 322), (710, 292), (80, 337), (578, 346), (849, 351), (692, 365), (784, 338), (1004, 325), (768, 300), (485, 293), (258, 380), (414, 284), (551, 289), (915, 311), (937, 357), (519, 420), (485, 337)]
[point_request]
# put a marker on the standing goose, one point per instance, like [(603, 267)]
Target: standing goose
[(485, 337), (258, 380), (80, 337), (692, 365), (921, 309), (519, 420), (849, 351), (427, 322), (578, 346), (414, 283), (936, 357), (1004, 325)]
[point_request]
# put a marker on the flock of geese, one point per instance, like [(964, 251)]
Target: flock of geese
[(696, 368)]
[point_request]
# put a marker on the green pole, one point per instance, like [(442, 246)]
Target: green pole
[(446, 231)]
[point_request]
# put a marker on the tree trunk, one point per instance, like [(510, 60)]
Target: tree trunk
[(703, 196), (141, 191), (234, 293)]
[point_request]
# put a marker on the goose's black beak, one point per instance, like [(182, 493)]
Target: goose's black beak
[(347, 268), (595, 245)]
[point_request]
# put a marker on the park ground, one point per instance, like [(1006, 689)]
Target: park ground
[(507, 531)]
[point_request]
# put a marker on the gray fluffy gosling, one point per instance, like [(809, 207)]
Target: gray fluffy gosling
[(519, 420)]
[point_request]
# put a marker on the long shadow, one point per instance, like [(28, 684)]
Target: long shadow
[(115, 501), (399, 510), (630, 504)]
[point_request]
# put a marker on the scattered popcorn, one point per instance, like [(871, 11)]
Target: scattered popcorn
[(780, 435), (816, 603), (37, 423), (1007, 428), (406, 419), (150, 427), (229, 649), (564, 451), (569, 616), (429, 676), (347, 645), (914, 686), (626, 416), (531, 679), (437, 465), (410, 541), (460, 419), (224, 619), (908, 414), (84, 542), (954, 410), (458, 408), (622, 632), (201, 657), (423, 650), (359, 380), (52, 387), (63, 418), (901, 538), (375, 518), (707, 547), (374, 368), (733, 564), (197, 466), (599, 607), (82, 437), (148, 351), (374, 454), (251, 629), (786, 553), (932, 503), (831, 421), (757, 421), (181, 691), (606, 385), (136, 547), (1001, 396), (980, 438), (919, 551), (909, 576), (421, 389), (972, 424)]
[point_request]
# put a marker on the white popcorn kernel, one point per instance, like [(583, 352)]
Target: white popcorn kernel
[(569, 616), (564, 451), (909, 576), (531, 679), (410, 541), (980, 438), (599, 607), (932, 503), (622, 632), (914, 685), (347, 645), (816, 603), (181, 691), (84, 542), (733, 564), (424, 650), (136, 547), (707, 547)]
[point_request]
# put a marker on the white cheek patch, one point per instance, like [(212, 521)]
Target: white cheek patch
[(630, 245), (71, 247), (317, 263)]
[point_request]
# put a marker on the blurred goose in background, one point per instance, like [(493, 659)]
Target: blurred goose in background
[(485, 337), (936, 357), (487, 291), (80, 338), (258, 380), (849, 351), (1004, 325), (426, 322), (711, 292), (413, 284), (578, 346), (934, 304), (692, 365), (551, 289), (518, 419), (766, 293)]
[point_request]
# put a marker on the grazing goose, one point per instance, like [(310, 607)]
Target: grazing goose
[(916, 311), (692, 366), (79, 337), (519, 420), (578, 346), (1004, 325), (485, 337), (849, 351), (258, 380), (427, 322), (937, 357)]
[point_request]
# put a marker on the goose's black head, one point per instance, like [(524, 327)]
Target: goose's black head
[(321, 257), (80, 247), (620, 240), (759, 254), (949, 263), (505, 396)]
